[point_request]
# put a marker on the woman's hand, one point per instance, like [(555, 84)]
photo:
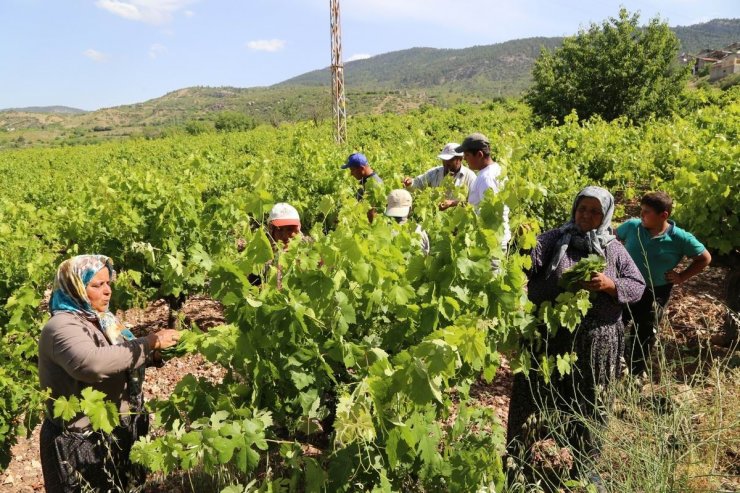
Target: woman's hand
[(446, 204), (601, 282), (163, 339)]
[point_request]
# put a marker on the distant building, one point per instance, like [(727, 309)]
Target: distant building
[(727, 66), (707, 58), (721, 63)]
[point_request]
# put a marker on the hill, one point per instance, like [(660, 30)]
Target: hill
[(713, 34), (64, 110), (395, 81), (503, 67)]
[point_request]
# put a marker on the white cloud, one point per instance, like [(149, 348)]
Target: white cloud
[(189, 13), (271, 45), (358, 56), (95, 55), (156, 50), (149, 11)]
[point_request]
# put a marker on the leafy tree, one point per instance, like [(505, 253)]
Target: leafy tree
[(195, 127), (611, 70), (231, 121)]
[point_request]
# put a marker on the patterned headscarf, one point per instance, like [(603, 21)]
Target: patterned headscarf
[(69, 293), (594, 241)]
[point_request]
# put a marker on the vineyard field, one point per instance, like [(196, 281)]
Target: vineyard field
[(364, 345)]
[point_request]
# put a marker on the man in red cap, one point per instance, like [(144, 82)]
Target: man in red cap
[(284, 223)]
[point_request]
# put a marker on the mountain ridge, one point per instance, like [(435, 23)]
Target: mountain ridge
[(62, 110), (395, 81)]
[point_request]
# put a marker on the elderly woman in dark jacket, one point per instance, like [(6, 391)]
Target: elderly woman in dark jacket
[(598, 341), (84, 345)]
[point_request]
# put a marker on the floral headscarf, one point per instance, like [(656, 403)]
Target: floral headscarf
[(69, 293), (594, 241)]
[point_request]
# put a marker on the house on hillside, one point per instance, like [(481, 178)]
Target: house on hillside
[(706, 58), (720, 63), (727, 66)]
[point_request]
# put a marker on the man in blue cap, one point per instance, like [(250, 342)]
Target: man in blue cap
[(361, 171)]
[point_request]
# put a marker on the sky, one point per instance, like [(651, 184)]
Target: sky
[(92, 54)]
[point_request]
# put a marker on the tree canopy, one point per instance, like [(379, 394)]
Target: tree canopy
[(616, 69)]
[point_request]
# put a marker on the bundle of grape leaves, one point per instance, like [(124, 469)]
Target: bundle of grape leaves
[(186, 344), (582, 271)]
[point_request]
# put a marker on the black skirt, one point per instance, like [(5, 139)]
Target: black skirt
[(73, 462)]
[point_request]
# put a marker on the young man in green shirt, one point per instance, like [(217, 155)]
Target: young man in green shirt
[(657, 246)]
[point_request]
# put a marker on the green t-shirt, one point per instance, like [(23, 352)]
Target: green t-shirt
[(657, 255)]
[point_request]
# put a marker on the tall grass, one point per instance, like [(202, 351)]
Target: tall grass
[(674, 429)]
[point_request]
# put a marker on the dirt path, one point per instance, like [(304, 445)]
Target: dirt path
[(694, 313)]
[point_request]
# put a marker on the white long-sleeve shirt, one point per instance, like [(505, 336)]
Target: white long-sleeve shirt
[(435, 176), (487, 178)]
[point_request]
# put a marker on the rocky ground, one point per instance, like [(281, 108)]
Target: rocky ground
[(695, 314)]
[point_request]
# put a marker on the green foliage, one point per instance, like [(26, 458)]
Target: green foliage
[(103, 414), (188, 343), (231, 121), (704, 187), (583, 270), (212, 441), (196, 127), (616, 69), (367, 344), (729, 81)]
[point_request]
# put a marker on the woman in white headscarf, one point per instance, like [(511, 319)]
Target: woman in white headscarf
[(599, 340)]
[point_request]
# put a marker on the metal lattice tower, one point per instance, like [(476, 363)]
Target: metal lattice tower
[(337, 75)]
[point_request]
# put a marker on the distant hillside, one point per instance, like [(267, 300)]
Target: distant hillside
[(503, 66), (270, 105), (396, 81), (61, 110), (714, 34)]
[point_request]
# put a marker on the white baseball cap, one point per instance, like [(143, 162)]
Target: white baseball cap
[(283, 214), (448, 152), (399, 203)]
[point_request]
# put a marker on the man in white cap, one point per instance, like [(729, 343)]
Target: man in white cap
[(399, 207), (284, 223), (451, 166), (477, 153)]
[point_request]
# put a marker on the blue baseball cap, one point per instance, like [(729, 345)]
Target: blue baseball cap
[(356, 160)]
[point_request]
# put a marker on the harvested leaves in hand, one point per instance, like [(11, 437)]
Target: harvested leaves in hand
[(582, 271), (187, 343)]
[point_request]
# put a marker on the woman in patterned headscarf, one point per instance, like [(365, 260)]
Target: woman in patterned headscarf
[(84, 345), (599, 340)]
